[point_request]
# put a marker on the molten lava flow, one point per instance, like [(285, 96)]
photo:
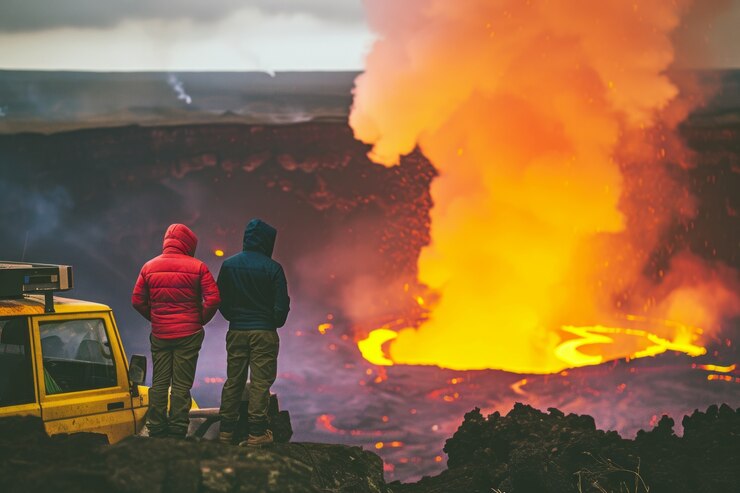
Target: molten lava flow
[(371, 348), (717, 368), (634, 343), (517, 386), (323, 328), (540, 236), (569, 352)]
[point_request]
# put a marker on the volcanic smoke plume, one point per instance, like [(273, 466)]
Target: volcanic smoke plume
[(551, 125)]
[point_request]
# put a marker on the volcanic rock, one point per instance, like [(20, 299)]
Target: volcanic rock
[(33, 461), (525, 451), (83, 462), (530, 451)]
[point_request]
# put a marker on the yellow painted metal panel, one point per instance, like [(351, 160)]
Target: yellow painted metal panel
[(105, 410), (140, 407), (34, 305), (117, 425), (32, 409), (84, 403)]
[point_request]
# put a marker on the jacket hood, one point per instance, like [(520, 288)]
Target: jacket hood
[(180, 239), (259, 237)]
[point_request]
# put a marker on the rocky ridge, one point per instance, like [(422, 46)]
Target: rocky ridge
[(525, 451)]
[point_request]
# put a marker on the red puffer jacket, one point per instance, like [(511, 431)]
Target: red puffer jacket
[(175, 290)]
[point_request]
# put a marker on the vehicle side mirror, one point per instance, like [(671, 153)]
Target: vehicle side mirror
[(137, 372)]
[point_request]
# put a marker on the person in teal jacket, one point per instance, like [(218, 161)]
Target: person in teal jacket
[(255, 301)]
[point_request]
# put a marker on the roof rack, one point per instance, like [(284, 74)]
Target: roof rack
[(18, 279)]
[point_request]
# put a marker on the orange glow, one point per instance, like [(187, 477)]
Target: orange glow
[(325, 420), (218, 253), (324, 327), (724, 378), (372, 346), (611, 342), (382, 376), (717, 368), (393, 444), (532, 112), (653, 345), (517, 386)]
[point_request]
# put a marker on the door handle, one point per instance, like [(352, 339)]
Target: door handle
[(115, 405)]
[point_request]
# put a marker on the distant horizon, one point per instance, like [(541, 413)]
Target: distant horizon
[(50, 101), (261, 35)]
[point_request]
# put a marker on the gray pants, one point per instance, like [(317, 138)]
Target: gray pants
[(252, 352), (174, 362)]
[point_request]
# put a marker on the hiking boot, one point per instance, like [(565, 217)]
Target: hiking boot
[(258, 440), (226, 437)]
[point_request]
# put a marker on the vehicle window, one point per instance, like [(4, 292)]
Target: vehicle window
[(76, 356), (16, 372)]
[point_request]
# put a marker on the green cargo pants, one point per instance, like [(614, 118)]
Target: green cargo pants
[(174, 362), (254, 352)]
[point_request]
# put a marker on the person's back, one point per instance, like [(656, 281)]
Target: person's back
[(254, 299), (253, 286), (177, 293)]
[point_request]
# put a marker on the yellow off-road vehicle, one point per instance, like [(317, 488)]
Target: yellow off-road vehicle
[(62, 359)]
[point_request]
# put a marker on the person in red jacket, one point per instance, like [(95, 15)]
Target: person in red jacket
[(177, 293)]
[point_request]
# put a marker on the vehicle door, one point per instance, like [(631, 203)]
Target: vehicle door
[(83, 385), (139, 397), (18, 390)]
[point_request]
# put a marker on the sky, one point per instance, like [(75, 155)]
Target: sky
[(229, 35), (181, 35)]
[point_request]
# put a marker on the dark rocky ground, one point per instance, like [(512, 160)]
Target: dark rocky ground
[(531, 451), (524, 451), (84, 462)]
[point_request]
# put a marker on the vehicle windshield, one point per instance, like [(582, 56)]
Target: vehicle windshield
[(76, 356)]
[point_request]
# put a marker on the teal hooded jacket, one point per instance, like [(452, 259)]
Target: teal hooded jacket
[(254, 291)]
